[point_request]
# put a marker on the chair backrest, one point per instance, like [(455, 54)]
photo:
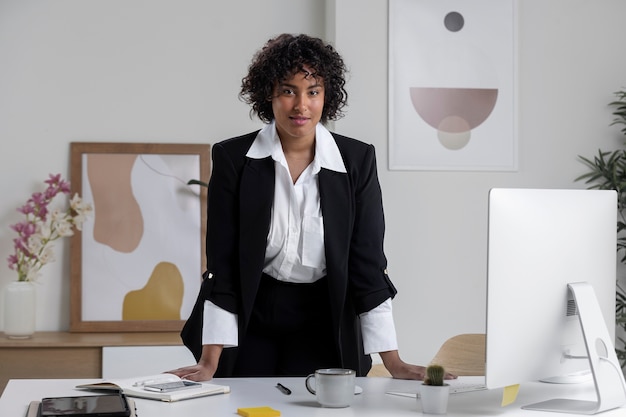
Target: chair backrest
[(463, 354), (379, 370)]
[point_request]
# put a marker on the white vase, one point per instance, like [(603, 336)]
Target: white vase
[(434, 398), (19, 309)]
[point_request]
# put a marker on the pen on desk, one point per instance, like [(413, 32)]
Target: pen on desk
[(283, 389)]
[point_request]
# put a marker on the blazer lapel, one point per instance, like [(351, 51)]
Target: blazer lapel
[(337, 211), (257, 196)]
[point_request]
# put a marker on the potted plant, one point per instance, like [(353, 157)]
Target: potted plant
[(607, 171), (434, 392)]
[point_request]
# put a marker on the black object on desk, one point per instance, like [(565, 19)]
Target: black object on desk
[(283, 389)]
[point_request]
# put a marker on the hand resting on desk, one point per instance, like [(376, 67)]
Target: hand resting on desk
[(402, 370), (206, 367)]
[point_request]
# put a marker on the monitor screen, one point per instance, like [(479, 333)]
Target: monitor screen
[(539, 241)]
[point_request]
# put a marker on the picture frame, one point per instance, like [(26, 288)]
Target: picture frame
[(452, 85), (137, 264)]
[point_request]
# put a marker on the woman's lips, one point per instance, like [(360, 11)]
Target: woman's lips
[(300, 121)]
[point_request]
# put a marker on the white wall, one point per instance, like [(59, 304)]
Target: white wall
[(169, 71), (119, 70), (569, 62)]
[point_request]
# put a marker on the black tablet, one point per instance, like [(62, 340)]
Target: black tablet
[(109, 405)]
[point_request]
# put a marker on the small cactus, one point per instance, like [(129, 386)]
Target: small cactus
[(434, 375)]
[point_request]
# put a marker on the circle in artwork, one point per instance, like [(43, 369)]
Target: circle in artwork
[(454, 21)]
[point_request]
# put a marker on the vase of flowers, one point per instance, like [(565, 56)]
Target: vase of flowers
[(19, 309), (34, 248)]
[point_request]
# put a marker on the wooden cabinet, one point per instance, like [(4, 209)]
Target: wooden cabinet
[(68, 355)]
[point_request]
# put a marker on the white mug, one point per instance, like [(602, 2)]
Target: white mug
[(334, 387)]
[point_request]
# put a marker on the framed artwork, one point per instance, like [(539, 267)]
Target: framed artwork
[(137, 264), (452, 85)]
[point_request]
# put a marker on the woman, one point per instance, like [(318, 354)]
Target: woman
[(297, 277)]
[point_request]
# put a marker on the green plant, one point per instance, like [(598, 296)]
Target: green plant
[(434, 375), (607, 171)]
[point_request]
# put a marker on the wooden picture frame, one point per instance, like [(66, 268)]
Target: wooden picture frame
[(137, 264)]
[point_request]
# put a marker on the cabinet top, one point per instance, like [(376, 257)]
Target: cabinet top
[(67, 339)]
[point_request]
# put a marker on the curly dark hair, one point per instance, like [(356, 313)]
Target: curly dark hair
[(285, 55)]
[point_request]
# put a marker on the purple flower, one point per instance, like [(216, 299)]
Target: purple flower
[(12, 259), (33, 245), (25, 209)]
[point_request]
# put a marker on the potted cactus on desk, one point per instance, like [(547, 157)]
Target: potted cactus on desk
[(434, 391)]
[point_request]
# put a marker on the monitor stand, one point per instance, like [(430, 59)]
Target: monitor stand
[(607, 374), (573, 378)]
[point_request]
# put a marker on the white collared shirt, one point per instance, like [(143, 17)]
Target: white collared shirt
[(295, 244)]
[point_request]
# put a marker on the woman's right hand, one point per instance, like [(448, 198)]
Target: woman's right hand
[(206, 366), (196, 372)]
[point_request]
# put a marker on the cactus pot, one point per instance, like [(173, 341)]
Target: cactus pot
[(434, 398)]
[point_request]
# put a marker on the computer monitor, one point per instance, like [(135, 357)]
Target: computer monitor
[(551, 282)]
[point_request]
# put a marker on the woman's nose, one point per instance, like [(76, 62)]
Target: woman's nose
[(301, 102)]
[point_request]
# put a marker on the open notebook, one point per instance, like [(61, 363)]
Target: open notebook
[(134, 387)]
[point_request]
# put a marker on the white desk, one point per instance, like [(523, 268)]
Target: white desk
[(255, 392)]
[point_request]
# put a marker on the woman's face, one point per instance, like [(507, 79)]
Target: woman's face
[(298, 103)]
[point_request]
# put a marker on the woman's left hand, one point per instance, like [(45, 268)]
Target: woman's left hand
[(402, 370)]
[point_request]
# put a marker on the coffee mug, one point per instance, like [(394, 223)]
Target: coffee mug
[(334, 387)]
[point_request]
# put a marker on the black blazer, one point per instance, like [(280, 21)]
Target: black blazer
[(240, 197)]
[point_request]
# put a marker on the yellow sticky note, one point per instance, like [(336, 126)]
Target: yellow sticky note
[(258, 412), (509, 394)]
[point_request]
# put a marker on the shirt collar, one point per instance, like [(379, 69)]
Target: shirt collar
[(327, 153)]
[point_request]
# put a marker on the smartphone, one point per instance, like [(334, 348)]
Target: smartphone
[(108, 405), (171, 386)]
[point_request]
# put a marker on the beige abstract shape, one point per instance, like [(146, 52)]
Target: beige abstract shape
[(118, 222), (454, 112), (160, 299)]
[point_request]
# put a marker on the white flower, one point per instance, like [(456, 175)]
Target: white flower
[(47, 255), (32, 274), (35, 243), (82, 210), (44, 232), (64, 227)]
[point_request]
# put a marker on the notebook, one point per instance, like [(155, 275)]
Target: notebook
[(134, 387)]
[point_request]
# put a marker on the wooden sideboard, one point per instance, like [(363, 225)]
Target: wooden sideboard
[(68, 355)]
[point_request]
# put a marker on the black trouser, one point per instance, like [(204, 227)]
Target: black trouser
[(290, 331)]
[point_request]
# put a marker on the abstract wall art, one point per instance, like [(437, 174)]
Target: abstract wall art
[(452, 85), (137, 264)]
